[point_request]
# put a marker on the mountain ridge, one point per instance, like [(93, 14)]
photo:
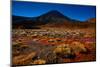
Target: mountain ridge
[(52, 18)]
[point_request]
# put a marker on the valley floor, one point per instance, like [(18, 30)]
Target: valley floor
[(53, 45)]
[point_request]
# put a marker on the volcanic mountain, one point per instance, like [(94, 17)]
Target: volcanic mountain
[(49, 19), (53, 16)]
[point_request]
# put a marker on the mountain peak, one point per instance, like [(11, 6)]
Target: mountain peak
[(55, 13), (53, 16)]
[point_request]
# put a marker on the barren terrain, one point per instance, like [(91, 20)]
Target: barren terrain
[(53, 45)]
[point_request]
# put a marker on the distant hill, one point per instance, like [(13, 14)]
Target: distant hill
[(49, 19), (16, 19), (92, 20)]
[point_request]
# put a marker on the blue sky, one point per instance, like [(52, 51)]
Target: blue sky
[(34, 9)]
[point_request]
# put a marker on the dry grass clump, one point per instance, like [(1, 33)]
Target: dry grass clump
[(39, 61), (23, 59), (78, 47), (64, 51)]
